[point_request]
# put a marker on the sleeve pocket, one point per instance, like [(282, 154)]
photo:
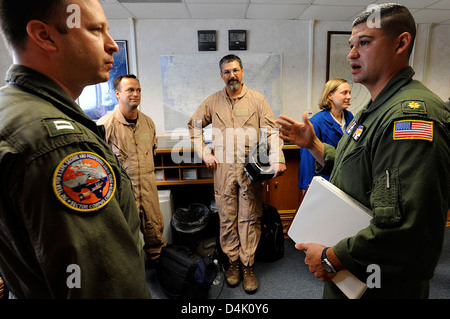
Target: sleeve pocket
[(384, 200)]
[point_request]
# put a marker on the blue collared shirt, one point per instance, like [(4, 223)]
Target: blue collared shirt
[(328, 131)]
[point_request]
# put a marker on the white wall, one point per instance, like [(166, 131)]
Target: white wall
[(290, 38), (438, 61), (169, 37)]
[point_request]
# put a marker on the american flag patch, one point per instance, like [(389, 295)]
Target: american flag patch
[(406, 130), (350, 127)]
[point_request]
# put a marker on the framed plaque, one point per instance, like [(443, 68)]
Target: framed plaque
[(207, 40), (237, 39)]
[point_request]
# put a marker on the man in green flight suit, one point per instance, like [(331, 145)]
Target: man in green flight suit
[(394, 158), (69, 226)]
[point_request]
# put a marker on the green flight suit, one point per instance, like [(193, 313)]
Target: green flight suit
[(395, 160), (69, 226)]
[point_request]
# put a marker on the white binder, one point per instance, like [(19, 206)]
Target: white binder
[(325, 216)]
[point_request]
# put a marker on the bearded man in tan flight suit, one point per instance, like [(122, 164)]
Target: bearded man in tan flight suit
[(132, 137), (238, 116)]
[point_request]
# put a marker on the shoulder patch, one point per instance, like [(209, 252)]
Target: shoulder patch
[(414, 106), (413, 130), (84, 182), (56, 127)]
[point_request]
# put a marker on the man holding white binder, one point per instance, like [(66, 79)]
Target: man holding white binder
[(394, 159)]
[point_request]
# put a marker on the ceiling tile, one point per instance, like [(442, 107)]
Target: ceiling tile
[(362, 3), (216, 1), (217, 11), (275, 12), (412, 4), (440, 5), (150, 1), (330, 13), (157, 10), (116, 11), (431, 16), (329, 10), (281, 1)]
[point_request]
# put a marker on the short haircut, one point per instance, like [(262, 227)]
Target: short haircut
[(15, 15), (119, 79), (395, 19), (230, 58), (329, 87)]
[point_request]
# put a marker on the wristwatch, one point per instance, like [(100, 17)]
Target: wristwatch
[(327, 265)]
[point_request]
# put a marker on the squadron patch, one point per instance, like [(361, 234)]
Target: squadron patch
[(84, 182)]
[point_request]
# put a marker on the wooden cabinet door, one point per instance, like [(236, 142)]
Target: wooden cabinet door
[(283, 192)]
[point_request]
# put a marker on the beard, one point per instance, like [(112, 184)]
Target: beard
[(234, 84)]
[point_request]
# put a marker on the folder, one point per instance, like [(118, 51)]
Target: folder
[(326, 216)]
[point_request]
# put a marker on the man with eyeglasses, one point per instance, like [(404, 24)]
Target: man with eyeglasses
[(238, 116), (132, 137)]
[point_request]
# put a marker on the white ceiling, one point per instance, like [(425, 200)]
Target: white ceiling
[(424, 11)]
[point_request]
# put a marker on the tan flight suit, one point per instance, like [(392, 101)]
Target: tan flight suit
[(236, 125), (135, 145)]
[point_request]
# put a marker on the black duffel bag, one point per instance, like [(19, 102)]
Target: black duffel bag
[(183, 274)]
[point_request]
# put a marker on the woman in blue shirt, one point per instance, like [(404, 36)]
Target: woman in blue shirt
[(329, 125)]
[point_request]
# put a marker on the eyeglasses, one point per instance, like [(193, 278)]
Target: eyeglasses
[(228, 72)]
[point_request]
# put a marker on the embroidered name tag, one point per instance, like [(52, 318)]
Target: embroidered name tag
[(413, 130), (84, 182)]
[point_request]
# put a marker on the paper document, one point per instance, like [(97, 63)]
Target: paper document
[(326, 216)]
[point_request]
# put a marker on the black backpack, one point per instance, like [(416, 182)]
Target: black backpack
[(271, 243)]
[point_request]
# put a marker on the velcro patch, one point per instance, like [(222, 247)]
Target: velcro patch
[(413, 130), (58, 127), (144, 137), (414, 107), (84, 182), (241, 112)]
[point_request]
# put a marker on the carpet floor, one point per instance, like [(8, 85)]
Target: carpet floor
[(289, 278)]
